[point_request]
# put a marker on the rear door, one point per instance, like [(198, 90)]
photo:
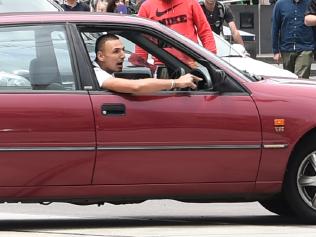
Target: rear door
[(47, 134)]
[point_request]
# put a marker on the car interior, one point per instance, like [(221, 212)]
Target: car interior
[(160, 62), (166, 59), (43, 59)]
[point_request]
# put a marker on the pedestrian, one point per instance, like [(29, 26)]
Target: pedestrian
[(120, 7), (73, 5), (292, 41), (131, 8), (101, 6), (111, 6), (216, 13), (184, 16)]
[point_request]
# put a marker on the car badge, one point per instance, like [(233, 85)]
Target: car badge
[(279, 125)]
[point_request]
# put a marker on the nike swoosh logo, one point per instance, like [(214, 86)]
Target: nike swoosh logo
[(159, 14)]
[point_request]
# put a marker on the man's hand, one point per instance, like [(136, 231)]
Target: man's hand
[(187, 80), (277, 58)]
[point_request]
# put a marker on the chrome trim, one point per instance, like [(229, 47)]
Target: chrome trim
[(275, 146), (4, 149), (122, 148), (210, 147)]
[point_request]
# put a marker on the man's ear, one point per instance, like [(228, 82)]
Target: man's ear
[(100, 56)]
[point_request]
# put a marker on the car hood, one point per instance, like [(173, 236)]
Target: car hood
[(259, 68), (289, 89)]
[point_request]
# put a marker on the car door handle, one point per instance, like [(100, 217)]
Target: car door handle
[(113, 109)]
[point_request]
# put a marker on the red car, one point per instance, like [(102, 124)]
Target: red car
[(64, 139)]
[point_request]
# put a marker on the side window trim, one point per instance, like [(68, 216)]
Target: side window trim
[(113, 28)]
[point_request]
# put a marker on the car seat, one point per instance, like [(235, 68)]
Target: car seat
[(44, 75)]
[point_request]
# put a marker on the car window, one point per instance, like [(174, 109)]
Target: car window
[(35, 58), (147, 56)]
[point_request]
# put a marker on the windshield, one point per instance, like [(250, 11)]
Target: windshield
[(240, 73), (26, 6)]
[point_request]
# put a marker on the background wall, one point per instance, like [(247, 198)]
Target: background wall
[(256, 19)]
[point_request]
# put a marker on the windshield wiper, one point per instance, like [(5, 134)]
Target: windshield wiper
[(232, 56), (253, 76)]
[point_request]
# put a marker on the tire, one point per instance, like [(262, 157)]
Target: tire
[(300, 182), (278, 205)]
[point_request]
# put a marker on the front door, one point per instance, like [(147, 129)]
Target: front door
[(173, 138)]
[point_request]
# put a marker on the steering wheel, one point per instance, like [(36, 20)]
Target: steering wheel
[(206, 82)]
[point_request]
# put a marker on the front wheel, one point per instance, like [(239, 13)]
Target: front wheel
[(300, 182)]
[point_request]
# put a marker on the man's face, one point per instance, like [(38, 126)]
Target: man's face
[(111, 56), (210, 2), (71, 1)]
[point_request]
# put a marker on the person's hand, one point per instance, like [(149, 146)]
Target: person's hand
[(187, 80), (277, 58)]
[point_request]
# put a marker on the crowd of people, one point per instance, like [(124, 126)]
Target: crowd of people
[(116, 6)]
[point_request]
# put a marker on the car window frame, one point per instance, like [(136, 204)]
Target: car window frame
[(104, 27)]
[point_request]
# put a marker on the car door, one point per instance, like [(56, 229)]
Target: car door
[(47, 132), (176, 137)]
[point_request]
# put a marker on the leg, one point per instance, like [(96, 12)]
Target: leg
[(288, 59), (303, 64)]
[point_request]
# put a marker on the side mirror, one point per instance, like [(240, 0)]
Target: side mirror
[(219, 80)]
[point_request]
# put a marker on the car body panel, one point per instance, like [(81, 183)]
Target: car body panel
[(273, 97), (45, 143), (186, 124)]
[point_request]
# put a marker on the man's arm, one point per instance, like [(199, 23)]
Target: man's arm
[(235, 33), (310, 14), (203, 27), (149, 85), (229, 18), (276, 24), (310, 20)]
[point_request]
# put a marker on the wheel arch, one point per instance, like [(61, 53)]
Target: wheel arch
[(299, 144)]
